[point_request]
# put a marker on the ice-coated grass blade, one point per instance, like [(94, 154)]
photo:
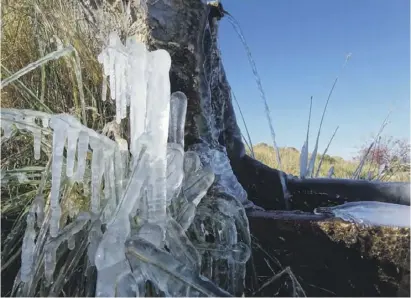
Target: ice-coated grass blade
[(148, 253), (240, 34), (325, 151), (314, 154), (304, 150), (52, 56), (249, 143)]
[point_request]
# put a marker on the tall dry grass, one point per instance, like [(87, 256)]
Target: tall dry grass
[(31, 29), (290, 158)]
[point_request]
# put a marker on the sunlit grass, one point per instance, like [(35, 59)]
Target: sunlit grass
[(290, 158)]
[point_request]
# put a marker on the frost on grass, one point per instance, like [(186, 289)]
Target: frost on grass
[(149, 219)]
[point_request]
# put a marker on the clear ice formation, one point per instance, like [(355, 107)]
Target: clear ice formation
[(163, 176), (330, 172), (66, 234), (371, 213), (152, 208), (25, 120), (181, 281), (303, 160), (60, 52), (28, 245), (221, 214)]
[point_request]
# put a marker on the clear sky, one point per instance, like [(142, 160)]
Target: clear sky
[(299, 48)]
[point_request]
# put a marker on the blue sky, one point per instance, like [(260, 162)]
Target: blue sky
[(299, 48)]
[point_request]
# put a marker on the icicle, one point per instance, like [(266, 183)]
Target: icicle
[(72, 136), (28, 247), (45, 121), (330, 172), (39, 209), (97, 169), (175, 172), (138, 91), (104, 90), (59, 138), (51, 247), (141, 250), (29, 119), (7, 130), (109, 190), (178, 109), (110, 251), (303, 161), (115, 63), (158, 113), (82, 149), (24, 120), (94, 238), (37, 143)]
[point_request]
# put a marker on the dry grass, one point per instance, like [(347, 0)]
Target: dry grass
[(290, 160), (32, 29), (72, 84)]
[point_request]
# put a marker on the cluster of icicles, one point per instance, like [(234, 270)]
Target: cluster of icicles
[(148, 219)]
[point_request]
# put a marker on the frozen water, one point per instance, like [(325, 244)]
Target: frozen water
[(65, 235), (178, 109), (330, 172), (148, 202), (52, 56), (371, 213), (82, 149), (59, 139), (28, 247), (303, 160), (72, 136), (162, 262)]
